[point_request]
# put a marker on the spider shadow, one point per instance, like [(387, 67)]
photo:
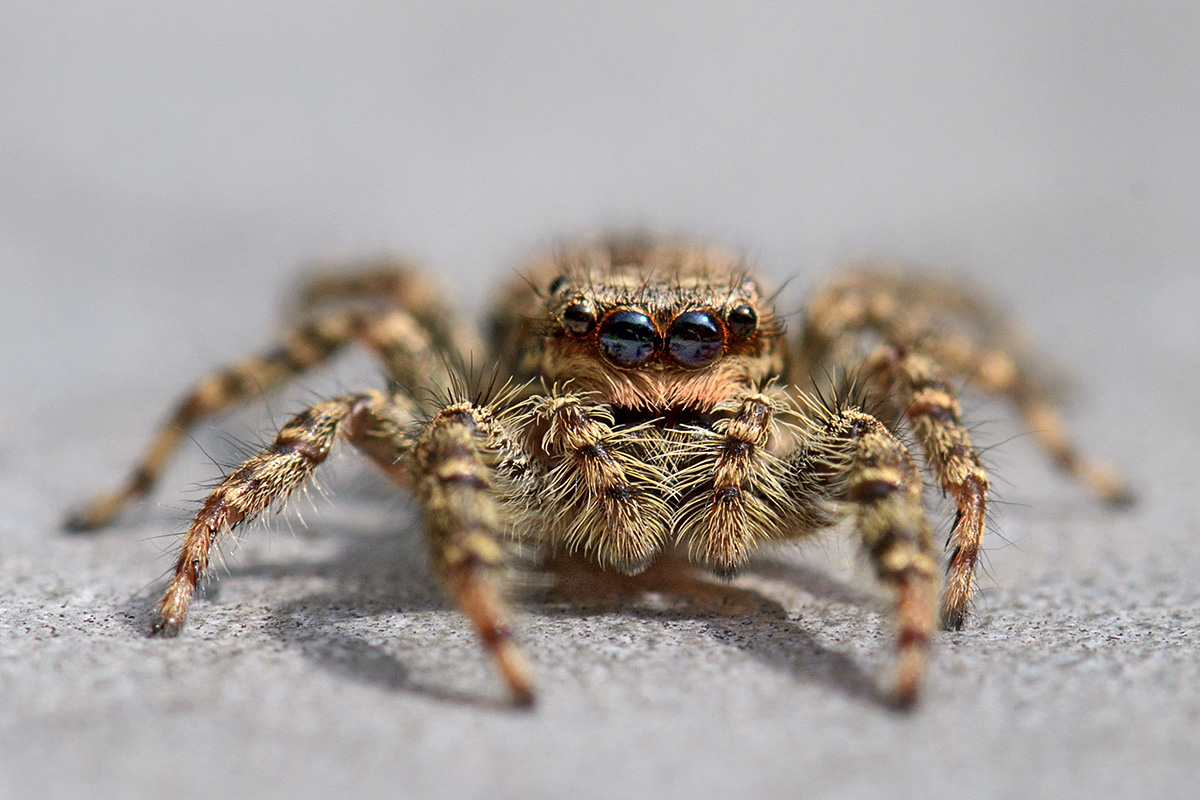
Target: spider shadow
[(736, 615), (374, 575), (351, 655), (371, 575)]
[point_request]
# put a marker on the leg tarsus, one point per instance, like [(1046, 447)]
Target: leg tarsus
[(98, 512), (483, 607), (1047, 425), (967, 537)]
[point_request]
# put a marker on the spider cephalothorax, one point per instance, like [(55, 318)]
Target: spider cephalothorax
[(653, 404)]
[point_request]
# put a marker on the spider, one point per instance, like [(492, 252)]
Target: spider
[(650, 403)]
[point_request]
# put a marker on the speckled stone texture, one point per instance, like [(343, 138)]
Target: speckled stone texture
[(162, 172)]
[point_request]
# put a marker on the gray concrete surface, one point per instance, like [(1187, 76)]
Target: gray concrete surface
[(163, 170)]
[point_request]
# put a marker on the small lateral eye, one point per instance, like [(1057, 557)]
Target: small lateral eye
[(628, 338), (695, 339), (742, 320), (578, 318), (557, 284)]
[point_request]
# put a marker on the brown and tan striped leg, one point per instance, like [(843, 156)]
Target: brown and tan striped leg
[(373, 422), (999, 372), (406, 350), (850, 463), (882, 485), (727, 515), (610, 508), (390, 283), (462, 495), (903, 307), (940, 295), (903, 311), (916, 386)]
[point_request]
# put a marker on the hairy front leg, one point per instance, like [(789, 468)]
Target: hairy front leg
[(608, 488), (734, 494)]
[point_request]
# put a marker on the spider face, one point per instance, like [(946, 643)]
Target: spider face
[(648, 327)]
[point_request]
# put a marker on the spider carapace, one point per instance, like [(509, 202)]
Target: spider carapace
[(648, 401)]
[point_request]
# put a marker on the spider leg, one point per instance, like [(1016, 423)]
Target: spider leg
[(855, 462), (910, 369), (726, 513), (934, 317), (385, 283), (998, 371), (374, 422), (615, 491), (904, 307), (408, 354), (451, 468), (847, 462), (473, 483), (804, 465), (915, 385), (471, 480)]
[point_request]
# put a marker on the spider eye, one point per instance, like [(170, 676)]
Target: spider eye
[(578, 318), (742, 321), (628, 338), (695, 339), (557, 284)]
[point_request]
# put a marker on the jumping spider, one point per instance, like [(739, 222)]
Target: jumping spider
[(651, 402)]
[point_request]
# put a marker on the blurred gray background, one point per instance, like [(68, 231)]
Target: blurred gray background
[(163, 171)]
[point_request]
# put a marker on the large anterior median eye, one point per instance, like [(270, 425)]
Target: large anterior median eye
[(695, 339), (628, 338)]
